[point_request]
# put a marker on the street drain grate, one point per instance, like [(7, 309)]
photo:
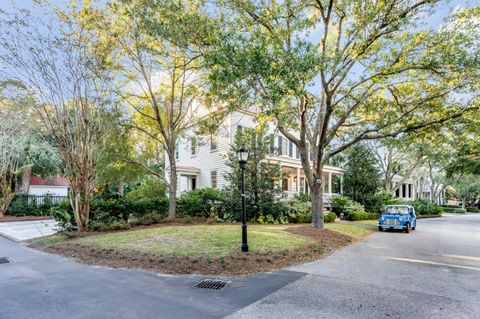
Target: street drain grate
[(4, 260), (211, 284)]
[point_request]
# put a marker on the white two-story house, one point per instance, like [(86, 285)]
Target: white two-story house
[(201, 160)]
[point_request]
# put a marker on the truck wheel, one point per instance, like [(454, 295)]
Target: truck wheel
[(407, 229), (380, 228)]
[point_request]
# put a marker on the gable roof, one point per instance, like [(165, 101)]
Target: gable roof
[(49, 181)]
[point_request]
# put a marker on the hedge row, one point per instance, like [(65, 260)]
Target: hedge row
[(114, 213), (472, 210), (456, 210), (354, 216)]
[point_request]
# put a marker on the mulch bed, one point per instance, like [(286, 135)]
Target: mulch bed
[(7, 218), (325, 242)]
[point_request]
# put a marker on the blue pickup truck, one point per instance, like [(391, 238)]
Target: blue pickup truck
[(398, 217)]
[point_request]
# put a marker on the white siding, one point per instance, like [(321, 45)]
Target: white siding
[(206, 160)]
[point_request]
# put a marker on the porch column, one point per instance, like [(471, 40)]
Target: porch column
[(330, 183), (298, 180), (341, 184)]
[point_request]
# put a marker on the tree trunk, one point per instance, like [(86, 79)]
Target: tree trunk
[(172, 190), (25, 185), (317, 205), (121, 188), (7, 198)]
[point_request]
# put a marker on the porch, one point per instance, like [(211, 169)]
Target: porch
[(295, 182)]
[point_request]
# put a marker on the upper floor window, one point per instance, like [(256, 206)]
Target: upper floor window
[(193, 146), (213, 179), (280, 145), (213, 142), (290, 148), (272, 144)]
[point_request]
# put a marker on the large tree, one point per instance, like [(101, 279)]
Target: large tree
[(362, 176), (154, 48), (333, 73), (22, 148), (64, 77), (263, 188)]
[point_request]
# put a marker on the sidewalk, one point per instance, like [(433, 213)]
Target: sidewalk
[(20, 231)]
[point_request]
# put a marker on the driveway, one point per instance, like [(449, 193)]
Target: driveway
[(24, 230), (433, 272)]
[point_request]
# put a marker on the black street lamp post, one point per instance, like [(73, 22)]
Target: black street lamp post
[(242, 154)]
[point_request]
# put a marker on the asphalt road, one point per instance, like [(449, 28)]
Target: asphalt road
[(433, 272)]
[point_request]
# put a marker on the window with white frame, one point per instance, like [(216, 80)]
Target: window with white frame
[(193, 146), (213, 141), (213, 179)]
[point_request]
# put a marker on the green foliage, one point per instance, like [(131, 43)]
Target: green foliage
[(63, 215), (330, 217), (378, 202), (108, 214), (358, 215), (452, 210), (425, 207), (262, 189), (468, 189), (151, 188), (24, 205), (269, 219), (199, 202), (362, 178), (472, 210), (344, 205)]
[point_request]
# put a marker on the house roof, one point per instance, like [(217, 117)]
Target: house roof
[(48, 181)]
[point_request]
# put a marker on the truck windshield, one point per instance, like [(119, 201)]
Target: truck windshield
[(396, 210)]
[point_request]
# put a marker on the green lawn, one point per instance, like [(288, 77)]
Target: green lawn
[(356, 230), (201, 240)]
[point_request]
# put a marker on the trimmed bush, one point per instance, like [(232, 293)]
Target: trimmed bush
[(24, 205), (457, 210), (111, 214), (425, 207), (199, 202), (355, 215), (472, 210), (150, 189), (329, 218)]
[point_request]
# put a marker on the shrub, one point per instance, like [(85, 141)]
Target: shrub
[(150, 189), (425, 207), (100, 226), (357, 215), (24, 205), (299, 218), (199, 202), (472, 210), (110, 214), (457, 210), (329, 218), (377, 202), (340, 204), (269, 219), (62, 213)]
